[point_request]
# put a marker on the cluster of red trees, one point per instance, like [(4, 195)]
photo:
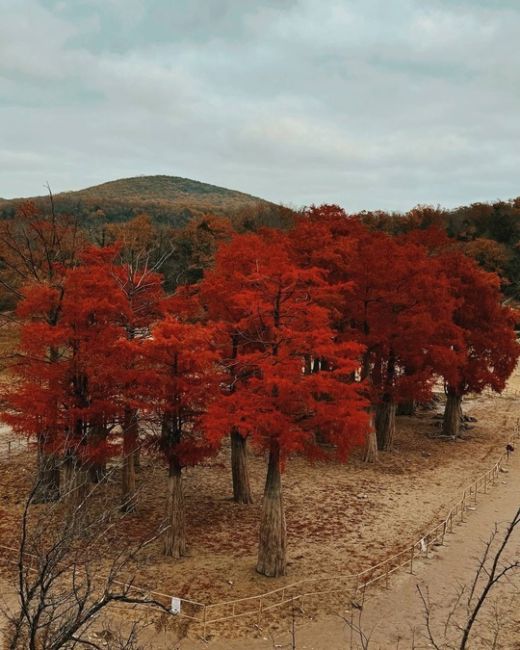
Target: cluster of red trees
[(301, 342)]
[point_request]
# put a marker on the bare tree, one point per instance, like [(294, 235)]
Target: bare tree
[(64, 588), (493, 568)]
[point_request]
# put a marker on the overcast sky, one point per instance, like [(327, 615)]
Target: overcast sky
[(366, 103)]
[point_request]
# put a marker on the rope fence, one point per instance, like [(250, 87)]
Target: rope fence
[(11, 446), (349, 586), (353, 585)]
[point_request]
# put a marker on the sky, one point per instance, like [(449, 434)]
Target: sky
[(371, 104)]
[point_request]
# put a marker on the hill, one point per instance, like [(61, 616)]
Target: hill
[(168, 199)]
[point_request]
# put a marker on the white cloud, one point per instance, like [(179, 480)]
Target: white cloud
[(368, 103)]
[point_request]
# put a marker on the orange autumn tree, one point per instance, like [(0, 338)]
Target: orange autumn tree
[(142, 252), (389, 295), (73, 398), (402, 311), (35, 248), (489, 350), (485, 350), (142, 286), (270, 397), (178, 379), (209, 297)]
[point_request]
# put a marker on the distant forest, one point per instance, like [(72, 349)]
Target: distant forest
[(488, 232), (187, 220)]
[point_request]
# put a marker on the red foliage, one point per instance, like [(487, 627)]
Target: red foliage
[(271, 311), (489, 351), (389, 295), (67, 378), (178, 378)]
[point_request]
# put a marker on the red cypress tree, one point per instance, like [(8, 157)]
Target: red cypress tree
[(489, 351), (279, 324), (485, 351), (178, 380), (388, 294), (143, 288), (34, 249), (75, 392)]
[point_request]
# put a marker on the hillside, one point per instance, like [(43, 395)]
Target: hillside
[(168, 199)]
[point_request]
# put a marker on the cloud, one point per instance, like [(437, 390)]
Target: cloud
[(364, 102)]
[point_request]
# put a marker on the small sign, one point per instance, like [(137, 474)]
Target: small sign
[(175, 606)]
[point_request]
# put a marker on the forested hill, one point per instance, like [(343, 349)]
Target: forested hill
[(488, 232), (167, 199)]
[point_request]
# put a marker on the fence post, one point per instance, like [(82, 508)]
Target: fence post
[(259, 610), (485, 483), (412, 550), (444, 529), (204, 623), (463, 506)]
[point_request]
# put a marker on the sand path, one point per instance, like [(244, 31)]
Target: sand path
[(394, 618)]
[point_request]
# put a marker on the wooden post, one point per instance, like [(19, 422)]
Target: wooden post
[(463, 506), (259, 610), (444, 529), (485, 483), (411, 557), (475, 493), (386, 580), (204, 623)]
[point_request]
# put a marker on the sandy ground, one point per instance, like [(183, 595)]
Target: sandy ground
[(341, 519), (395, 618)]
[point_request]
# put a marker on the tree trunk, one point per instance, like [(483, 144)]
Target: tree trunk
[(239, 468), (175, 536), (406, 408), (48, 477), (137, 458), (272, 548), (452, 415), (370, 455), (385, 424), (128, 484), (66, 478), (75, 489), (97, 469), (97, 472), (79, 488), (48, 470)]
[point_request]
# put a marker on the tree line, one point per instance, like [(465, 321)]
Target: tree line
[(299, 341)]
